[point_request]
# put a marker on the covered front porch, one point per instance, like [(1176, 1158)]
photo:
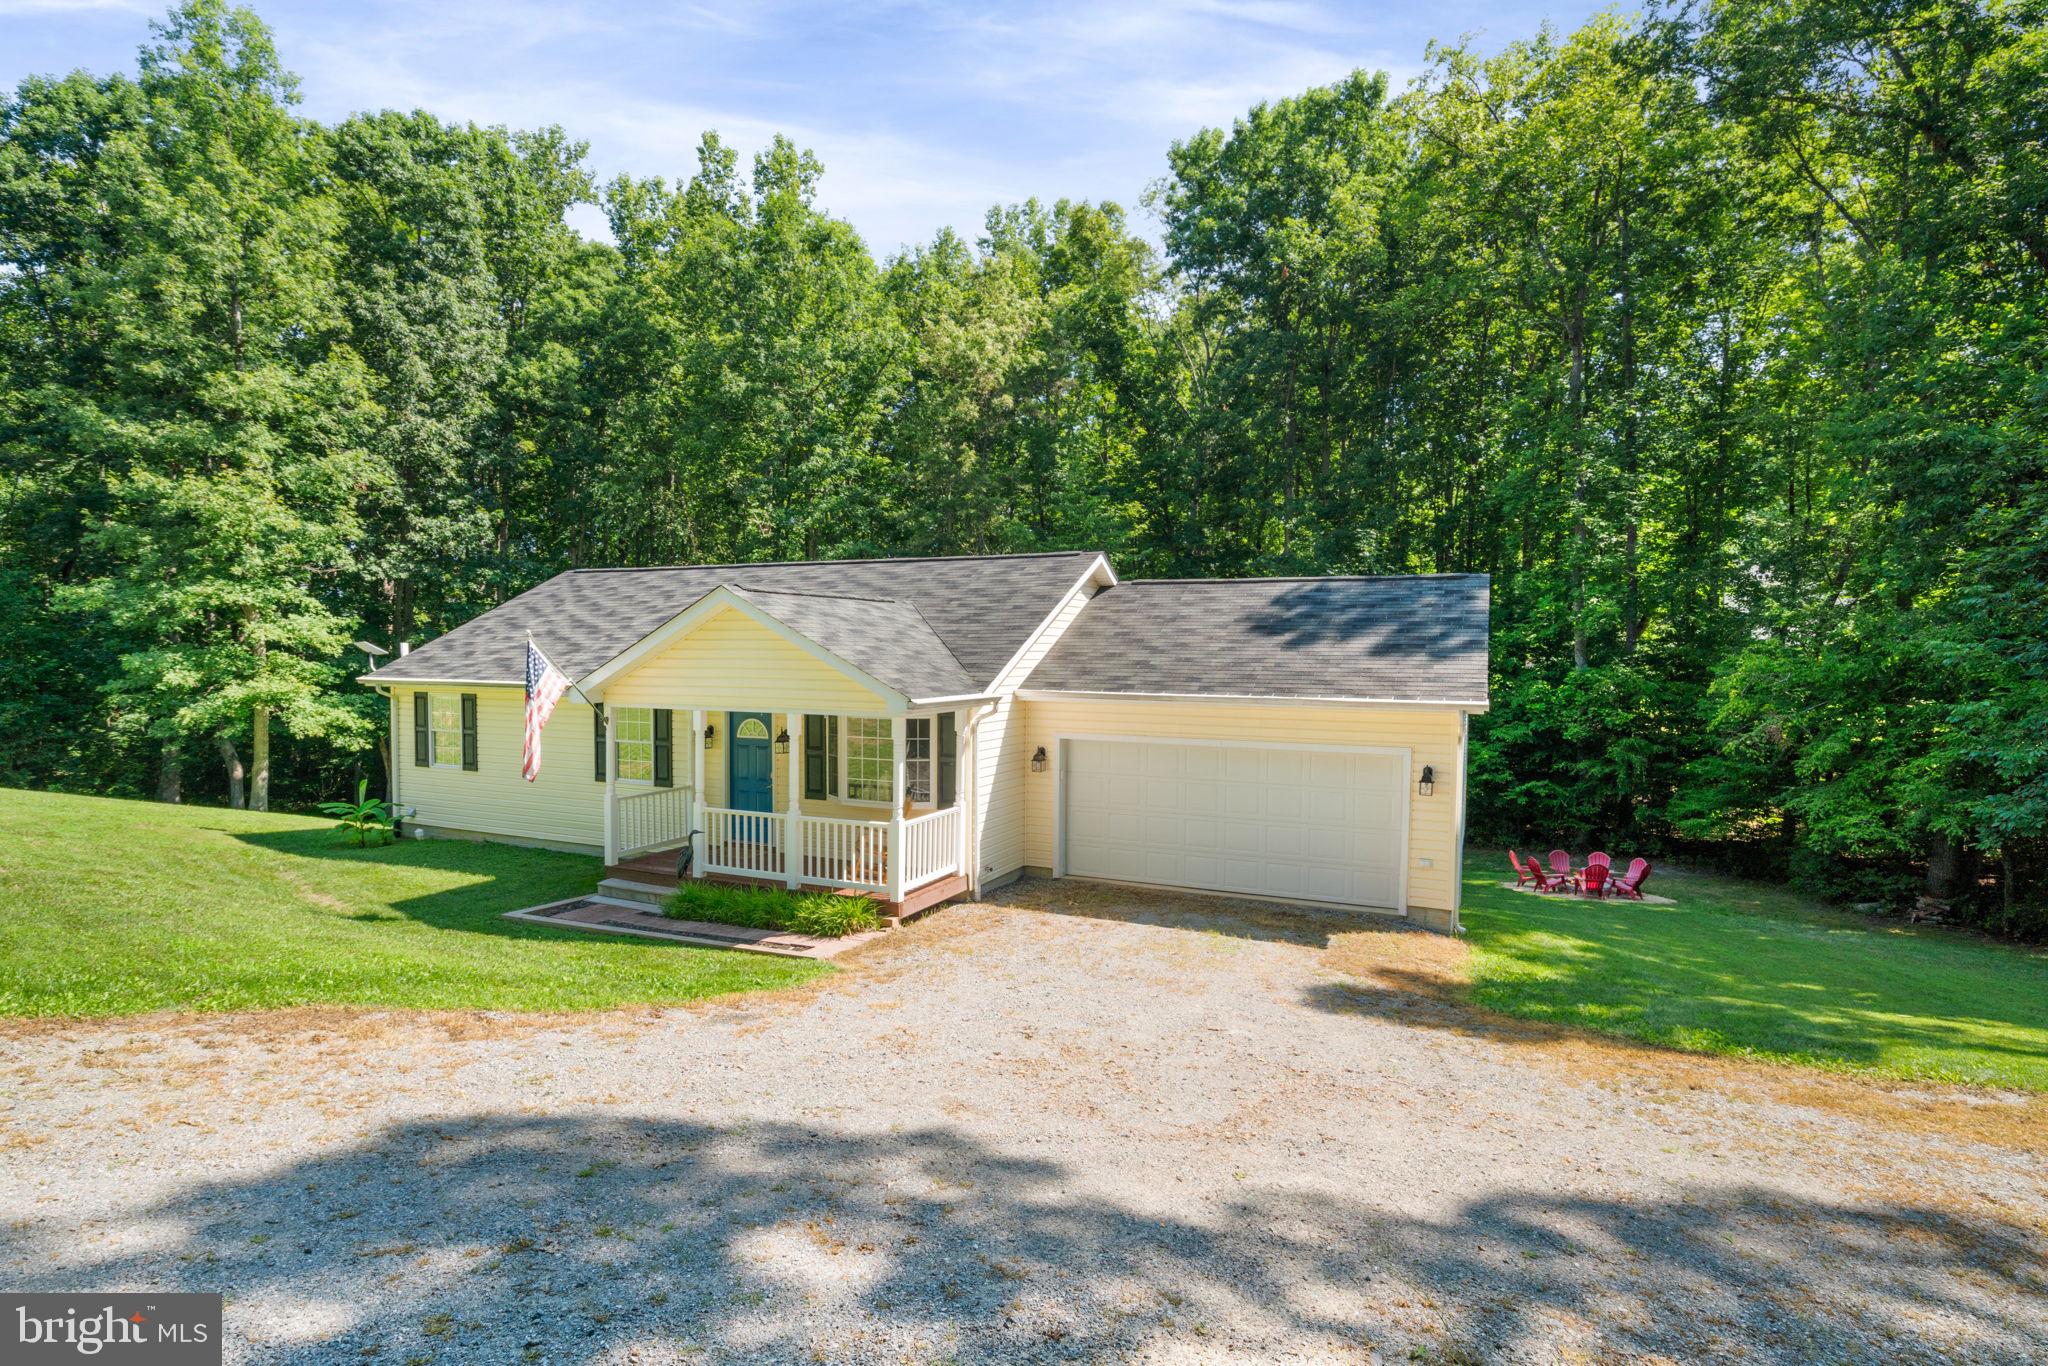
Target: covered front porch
[(861, 804)]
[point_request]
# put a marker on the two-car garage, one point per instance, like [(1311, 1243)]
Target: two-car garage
[(1300, 823), (1291, 739)]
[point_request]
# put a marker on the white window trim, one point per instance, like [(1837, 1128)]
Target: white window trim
[(845, 793), (931, 761), (434, 731), (846, 765), (620, 745)]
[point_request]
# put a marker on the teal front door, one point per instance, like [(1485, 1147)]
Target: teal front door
[(750, 763)]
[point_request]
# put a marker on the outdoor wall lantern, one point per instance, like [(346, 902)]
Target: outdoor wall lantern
[(711, 737), (782, 741), (1428, 783), (1038, 760)]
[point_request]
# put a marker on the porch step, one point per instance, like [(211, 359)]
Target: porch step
[(635, 890), (653, 871)]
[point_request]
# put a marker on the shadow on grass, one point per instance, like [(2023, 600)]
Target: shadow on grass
[(488, 879), (482, 1236)]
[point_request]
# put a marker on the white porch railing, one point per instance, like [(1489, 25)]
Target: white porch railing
[(843, 853), (931, 847), (832, 852), (745, 842), (652, 819)]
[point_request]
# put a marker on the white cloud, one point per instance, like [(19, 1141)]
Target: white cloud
[(925, 112)]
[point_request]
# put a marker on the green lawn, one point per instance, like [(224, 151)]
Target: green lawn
[(1745, 968), (113, 907)]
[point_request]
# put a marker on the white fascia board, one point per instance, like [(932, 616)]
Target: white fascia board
[(1247, 699), (721, 599), (377, 682)]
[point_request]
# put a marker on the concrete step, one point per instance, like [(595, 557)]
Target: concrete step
[(634, 893)]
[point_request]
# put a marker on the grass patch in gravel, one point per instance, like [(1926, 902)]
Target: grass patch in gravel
[(823, 915), (1749, 969), (116, 907)]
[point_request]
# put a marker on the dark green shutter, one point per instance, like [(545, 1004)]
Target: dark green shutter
[(469, 731), (422, 732), (949, 759), (597, 727), (814, 758), (831, 756), (664, 747)]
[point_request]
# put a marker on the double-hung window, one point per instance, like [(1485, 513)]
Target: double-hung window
[(917, 759), (636, 744), (445, 724), (870, 759)]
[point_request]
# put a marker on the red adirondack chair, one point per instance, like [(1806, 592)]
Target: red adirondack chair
[(1599, 856), (1522, 874), (1594, 879), (1630, 884), (1560, 863), (1545, 882)]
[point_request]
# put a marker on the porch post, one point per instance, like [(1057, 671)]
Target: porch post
[(611, 788), (897, 729), (793, 820), (696, 791)]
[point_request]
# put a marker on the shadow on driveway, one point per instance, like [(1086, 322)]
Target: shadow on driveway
[(490, 1236)]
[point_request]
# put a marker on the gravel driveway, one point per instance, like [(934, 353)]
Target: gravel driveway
[(1079, 1124)]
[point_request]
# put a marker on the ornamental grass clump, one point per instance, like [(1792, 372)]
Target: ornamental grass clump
[(821, 914)]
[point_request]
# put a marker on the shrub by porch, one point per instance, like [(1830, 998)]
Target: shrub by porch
[(825, 915)]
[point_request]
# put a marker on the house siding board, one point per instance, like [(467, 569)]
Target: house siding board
[(1431, 735), (1002, 760), (734, 662), (561, 806)]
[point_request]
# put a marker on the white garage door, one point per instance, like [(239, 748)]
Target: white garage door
[(1310, 825)]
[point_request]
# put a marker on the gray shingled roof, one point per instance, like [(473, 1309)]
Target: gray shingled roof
[(887, 639), (978, 611), (1416, 638)]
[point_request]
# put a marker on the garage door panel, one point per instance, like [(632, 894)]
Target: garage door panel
[(1162, 793), (1331, 807), (1167, 831), (1238, 837), (1243, 765), (1307, 824), (1331, 846)]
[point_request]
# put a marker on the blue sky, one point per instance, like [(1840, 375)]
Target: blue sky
[(924, 114)]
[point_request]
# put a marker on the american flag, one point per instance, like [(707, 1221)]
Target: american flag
[(545, 685)]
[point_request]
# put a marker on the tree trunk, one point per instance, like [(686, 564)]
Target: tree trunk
[(170, 773), (1577, 553), (259, 761), (1944, 869), (230, 757)]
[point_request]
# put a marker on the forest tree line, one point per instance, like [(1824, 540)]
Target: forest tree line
[(1715, 335)]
